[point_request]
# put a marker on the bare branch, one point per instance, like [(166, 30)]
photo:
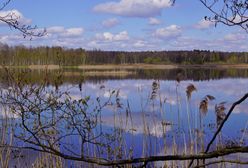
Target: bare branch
[(146, 160), (13, 21), (228, 12), (222, 161)]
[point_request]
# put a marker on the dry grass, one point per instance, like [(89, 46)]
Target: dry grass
[(121, 73), (136, 66), (127, 66), (234, 66), (48, 67), (109, 73)]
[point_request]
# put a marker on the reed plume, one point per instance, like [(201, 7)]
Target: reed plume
[(179, 77), (210, 97), (204, 104), (220, 112), (189, 90), (155, 87)]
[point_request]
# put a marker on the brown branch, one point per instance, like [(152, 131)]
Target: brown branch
[(210, 155), (222, 161), (146, 160)]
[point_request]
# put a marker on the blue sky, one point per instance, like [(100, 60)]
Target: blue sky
[(130, 25)]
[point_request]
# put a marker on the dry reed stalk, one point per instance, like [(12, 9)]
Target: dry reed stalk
[(163, 115), (6, 139), (189, 90), (145, 127), (244, 133), (178, 105), (129, 115), (185, 148), (189, 127), (48, 161), (174, 151)]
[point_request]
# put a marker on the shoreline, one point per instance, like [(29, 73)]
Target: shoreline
[(131, 66)]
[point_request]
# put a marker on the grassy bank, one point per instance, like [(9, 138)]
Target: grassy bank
[(133, 66)]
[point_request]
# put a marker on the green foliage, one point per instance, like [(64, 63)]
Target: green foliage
[(232, 59), (151, 60), (24, 56)]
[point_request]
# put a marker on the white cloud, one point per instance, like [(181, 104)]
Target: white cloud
[(142, 45), (55, 29), (235, 37), (55, 36), (121, 36), (73, 32), (171, 31), (204, 24), (62, 32), (13, 39), (154, 21), (109, 37), (134, 8), (15, 15), (236, 19), (110, 41), (110, 22), (235, 41), (139, 44)]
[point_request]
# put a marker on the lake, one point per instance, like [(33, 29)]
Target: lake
[(136, 113)]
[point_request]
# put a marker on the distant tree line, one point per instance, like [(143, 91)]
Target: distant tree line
[(21, 56), (166, 57)]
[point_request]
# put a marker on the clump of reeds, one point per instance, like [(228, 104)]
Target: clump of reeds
[(220, 112), (204, 104), (47, 160), (190, 88)]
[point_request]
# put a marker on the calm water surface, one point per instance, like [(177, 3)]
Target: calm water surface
[(152, 110)]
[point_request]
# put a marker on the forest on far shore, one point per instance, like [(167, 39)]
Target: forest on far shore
[(44, 55)]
